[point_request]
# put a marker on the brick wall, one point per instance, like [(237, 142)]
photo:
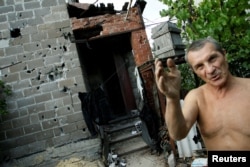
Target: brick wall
[(45, 75), (122, 23)]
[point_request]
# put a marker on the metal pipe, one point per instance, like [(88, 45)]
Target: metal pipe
[(130, 2)]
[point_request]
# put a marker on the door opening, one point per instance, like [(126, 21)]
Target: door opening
[(99, 60)]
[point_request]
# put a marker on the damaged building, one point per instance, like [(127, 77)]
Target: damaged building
[(76, 71)]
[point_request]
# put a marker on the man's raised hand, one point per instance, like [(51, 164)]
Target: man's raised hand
[(168, 81)]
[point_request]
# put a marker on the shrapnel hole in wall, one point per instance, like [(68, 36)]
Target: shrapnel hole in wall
[(14, 33), (56, 72)]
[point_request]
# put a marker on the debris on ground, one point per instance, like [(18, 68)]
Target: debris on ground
[(77, 162)]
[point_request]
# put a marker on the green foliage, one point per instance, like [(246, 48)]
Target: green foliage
[(5, 91), (225, 20), (187, 79)]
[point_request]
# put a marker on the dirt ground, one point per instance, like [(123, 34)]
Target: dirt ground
[(142, 158)]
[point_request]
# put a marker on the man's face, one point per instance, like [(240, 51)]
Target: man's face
[(210, 65)]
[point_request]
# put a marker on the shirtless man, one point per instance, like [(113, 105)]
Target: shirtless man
[(221, 106)]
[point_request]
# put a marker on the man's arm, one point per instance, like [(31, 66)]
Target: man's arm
[(179, 119), (168, 82)]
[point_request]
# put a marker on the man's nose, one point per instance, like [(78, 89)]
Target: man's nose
[(210, 68)]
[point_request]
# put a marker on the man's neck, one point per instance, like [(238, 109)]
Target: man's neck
[(222, 90)]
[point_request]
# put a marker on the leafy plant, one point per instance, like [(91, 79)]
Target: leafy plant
[(227, 21), (5, 91)]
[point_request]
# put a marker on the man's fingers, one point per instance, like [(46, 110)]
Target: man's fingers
[(158, 68), (171, 65)]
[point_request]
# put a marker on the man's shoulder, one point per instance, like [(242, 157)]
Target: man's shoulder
[(196, 92), (244, 81)]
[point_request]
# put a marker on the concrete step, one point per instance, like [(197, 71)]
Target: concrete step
[(129, 146), (122, 125), (123, 136)]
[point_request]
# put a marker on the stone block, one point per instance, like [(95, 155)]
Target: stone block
[(21, 121), (78, 134), (24, 14), (6, 9), (56, 103), (7, 61), (32, 5), (23, 112), (25, 139), (25, 56), (18, 151), (58, 94), (6, 125), (54, 33), (34, 118), (19, 7), (31, 47), (61, 140), (4, 27), (30, 73), (75, 117), (5, 34), (69, 82), (36, 108), (13, 77), (47, 115), (77, 107), (58, 131), (17, 94), (48, 87), (69, 128), (39, 36), (11, 17), (35, 63), (68, 101), (32, 128), (10, 2), (44, 135), (25, 102), (3, 18), (17, 67), (12, 133), (49, 43), (43, 97), (42, 12), (64, 24), (29, 30), (52, 17), (1, 52), (48, 124), (11, 105), (30, 91), (12, 50), (49, 3), (35, 22), (62, 111), (74, 72)]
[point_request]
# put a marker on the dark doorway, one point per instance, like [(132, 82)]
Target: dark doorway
[(99, 60)]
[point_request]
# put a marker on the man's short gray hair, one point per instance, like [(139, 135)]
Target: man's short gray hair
[(200, 43)]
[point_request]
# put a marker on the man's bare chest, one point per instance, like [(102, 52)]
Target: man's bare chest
[(224, 116)]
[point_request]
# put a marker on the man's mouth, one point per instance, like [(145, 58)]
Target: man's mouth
[(215, 77)]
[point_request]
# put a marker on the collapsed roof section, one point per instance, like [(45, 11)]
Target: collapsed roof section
[(91, 22), (83, 10)]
